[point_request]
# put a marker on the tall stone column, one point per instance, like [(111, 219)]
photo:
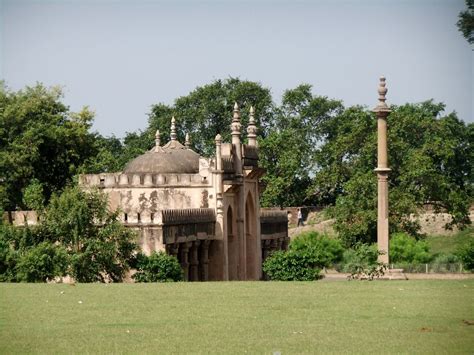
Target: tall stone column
[(382, 111), (184, 251), (204, 260), (240, 205), (194, 261)]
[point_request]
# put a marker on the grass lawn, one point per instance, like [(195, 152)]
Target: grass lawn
[(448, 244), (424, 316)]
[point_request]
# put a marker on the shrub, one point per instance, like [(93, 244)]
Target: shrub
[(291, 266), (42, 263), (99, 245), (361, 262), (406, 249), (466, 254), (324, 250), (8, 260), (158, 267)]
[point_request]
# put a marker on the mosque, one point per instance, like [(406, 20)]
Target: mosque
[(204, 211)]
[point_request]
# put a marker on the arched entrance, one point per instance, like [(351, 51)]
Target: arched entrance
[(251, 238)]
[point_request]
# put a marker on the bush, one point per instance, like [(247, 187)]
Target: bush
[(42, 263), (291, 266), (406, 249), (158, 267), (361, 262), (324, 250), (8, 261), (466, 254)]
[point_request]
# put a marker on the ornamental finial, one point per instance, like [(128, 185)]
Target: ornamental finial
[(173, 129), (157, 139), (382, 90), (235, 125), (252, 128), (218, 139), (236, 117)]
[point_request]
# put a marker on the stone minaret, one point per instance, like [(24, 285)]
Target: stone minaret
[(235, 132), (252, 129), (382, 111)]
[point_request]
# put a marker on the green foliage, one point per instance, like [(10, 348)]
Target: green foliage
[(288, 150), (40, 140), (207, 111), (8, 259), (406, 249), (361, 262), (110, 157), (41, 263), (77, 224), (324, 250), (100, 246), (158, 267), (33, 196), (291, 266), (431, 157), (466, 254), (466, 22)]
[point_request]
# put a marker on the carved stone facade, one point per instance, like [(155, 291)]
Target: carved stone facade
[(205, 211)]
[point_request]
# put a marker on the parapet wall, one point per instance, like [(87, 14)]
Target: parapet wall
[(120, 180)]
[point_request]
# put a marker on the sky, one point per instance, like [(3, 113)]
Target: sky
[(121, 57)]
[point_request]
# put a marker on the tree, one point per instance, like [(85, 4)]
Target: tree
[(207, 111), (431, 157), (101, 248), (288, 150), (466, 22), (40, 139)]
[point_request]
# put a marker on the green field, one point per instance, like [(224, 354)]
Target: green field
[(239, 317)]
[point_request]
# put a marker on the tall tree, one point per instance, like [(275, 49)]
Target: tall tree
[(288, 150), (40, 139), (431, 157), (207, 111), (466, 22)]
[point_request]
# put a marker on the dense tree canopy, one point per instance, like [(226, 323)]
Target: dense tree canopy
[(313, 149), (431, 157), (466, 22), (41, 142)]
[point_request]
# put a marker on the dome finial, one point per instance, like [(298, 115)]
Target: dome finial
[(187, 142), (157, 140), (173, 129), (236, 117)]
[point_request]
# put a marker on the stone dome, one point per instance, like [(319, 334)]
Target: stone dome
[(171, 158)]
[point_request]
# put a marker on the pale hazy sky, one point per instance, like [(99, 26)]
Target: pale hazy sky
[(120, 57)]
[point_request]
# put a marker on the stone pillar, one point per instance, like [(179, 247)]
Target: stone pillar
[(382, 111), (240, 201), (204, 260), (194, 262), (266, 249), (220, 261), (172, 249), (184, 251)]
